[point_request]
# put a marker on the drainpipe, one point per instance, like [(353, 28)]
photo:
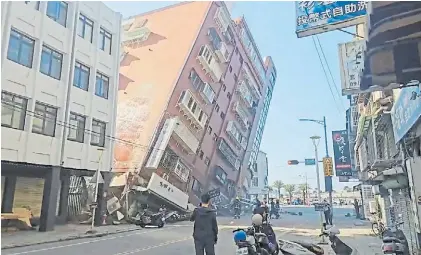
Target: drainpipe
[(69, 85)]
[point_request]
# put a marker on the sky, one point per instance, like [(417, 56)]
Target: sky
[(301, 90)]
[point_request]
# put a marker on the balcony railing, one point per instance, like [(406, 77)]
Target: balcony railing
[(172, 162), (209, 63), (248, 77), (236, 136), (241, 115), (189, 106), (185, 137), (222, 52), (245, 94), (222, 19), (229, 154), (207, 93)]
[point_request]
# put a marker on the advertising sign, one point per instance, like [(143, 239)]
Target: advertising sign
[(315, 17), (351, 62), (341, 153), (405, 112), (168, 191), (328, 166)]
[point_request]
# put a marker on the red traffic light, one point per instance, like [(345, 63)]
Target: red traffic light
[(293, 162)]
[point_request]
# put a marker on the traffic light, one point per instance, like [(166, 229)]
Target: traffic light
[(293, 162)]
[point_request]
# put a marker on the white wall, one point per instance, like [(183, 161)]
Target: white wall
[(25, 146), (262, 173)]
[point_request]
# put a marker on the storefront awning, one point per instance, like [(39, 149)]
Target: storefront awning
[(393, 52)]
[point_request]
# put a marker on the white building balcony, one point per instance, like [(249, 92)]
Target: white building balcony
[(229, 154), (185, 137), (241, 115), (209, 63), (190, 108), (235, 135), (222, 19), (248, 77), (222, 52), (207, 93), (245, 94)]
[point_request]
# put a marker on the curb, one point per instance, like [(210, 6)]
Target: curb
[(69, 238)]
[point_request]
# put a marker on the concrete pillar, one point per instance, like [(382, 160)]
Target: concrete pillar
[(102, 203), (9, 194), (49, 199), (64, 194)]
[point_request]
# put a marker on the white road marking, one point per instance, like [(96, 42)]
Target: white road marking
[(88, 242), (154, 246)]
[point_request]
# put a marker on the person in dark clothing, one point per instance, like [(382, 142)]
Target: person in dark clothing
[(328, 213), (205, 233), (272, 208), (237, 207)]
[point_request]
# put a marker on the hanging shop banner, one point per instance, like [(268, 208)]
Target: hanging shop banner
[(316, 17), (406, 111), (341, 153), (351, 62)]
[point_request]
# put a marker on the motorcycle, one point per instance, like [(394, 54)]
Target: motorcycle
[(394, 241), (253, 243), (146, 218)]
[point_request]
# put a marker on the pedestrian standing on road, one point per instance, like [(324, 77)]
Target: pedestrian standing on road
[(328, 213), (205, 232)]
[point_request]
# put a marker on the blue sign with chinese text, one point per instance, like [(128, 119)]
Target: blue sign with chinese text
[(310, 161), (341, 153), (315, 17), (405, 112)]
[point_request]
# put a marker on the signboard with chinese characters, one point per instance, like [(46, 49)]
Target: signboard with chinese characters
[(315, 17), (341, 153), (168, 191), (328, 166), (351, 62), (406, 111)]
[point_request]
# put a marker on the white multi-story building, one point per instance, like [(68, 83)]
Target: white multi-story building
[(60, 68), (260, 179)]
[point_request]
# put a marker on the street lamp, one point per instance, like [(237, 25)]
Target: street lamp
[(328, 179), (316, 140)]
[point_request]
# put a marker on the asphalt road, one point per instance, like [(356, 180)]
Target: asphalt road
[(172, 239)]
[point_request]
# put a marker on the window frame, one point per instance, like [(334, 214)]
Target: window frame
[(82, 68), (21, 39), (56, 17), (85, 21), (52, 54), (45, 118), (22, 110), (36, 6), (103, 33), (100, 76), (78, 118), (99, 123)]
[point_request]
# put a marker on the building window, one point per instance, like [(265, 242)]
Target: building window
[(77, 127), (195, 80), (102, 85), (51, 62), (230, 68), (235, 77), (220, 175), (201, 154), (105, 40), (57, 11), (45, 118), (214, 38), (85, 27), (222, 115), (215, 137), (229, 95), (224, 87), (236, 50), (98, 133), (21, 49), (255, 181), (81, 76), (210, 130), (207, 161), (241, 60), (34, 4), (196, 186), (13, 111)]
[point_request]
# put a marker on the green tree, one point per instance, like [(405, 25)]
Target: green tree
[(303, 188), (290, 189), (278, 185)]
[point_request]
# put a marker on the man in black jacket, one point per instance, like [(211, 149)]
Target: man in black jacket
[(205, 233)]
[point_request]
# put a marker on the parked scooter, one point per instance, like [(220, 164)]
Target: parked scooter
[(250, 243), (148, 218), (394, 241)]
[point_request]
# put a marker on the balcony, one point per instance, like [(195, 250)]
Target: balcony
[(189, 107), (235, 135), (207, 93), (222, 19), (248, 77), (222, 52), (241, 115), (220, 175), (245, 94), (173, 163), (209, 63), (229, 154), (185, 137)]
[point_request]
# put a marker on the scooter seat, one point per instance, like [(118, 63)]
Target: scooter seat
[(389, 239)]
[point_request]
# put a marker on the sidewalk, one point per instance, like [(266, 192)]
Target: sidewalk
[(60, 233)]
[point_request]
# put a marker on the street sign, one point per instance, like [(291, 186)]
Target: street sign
[(328, 166), (310, 161), (214, 193), (293, 162), (99, 176)]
